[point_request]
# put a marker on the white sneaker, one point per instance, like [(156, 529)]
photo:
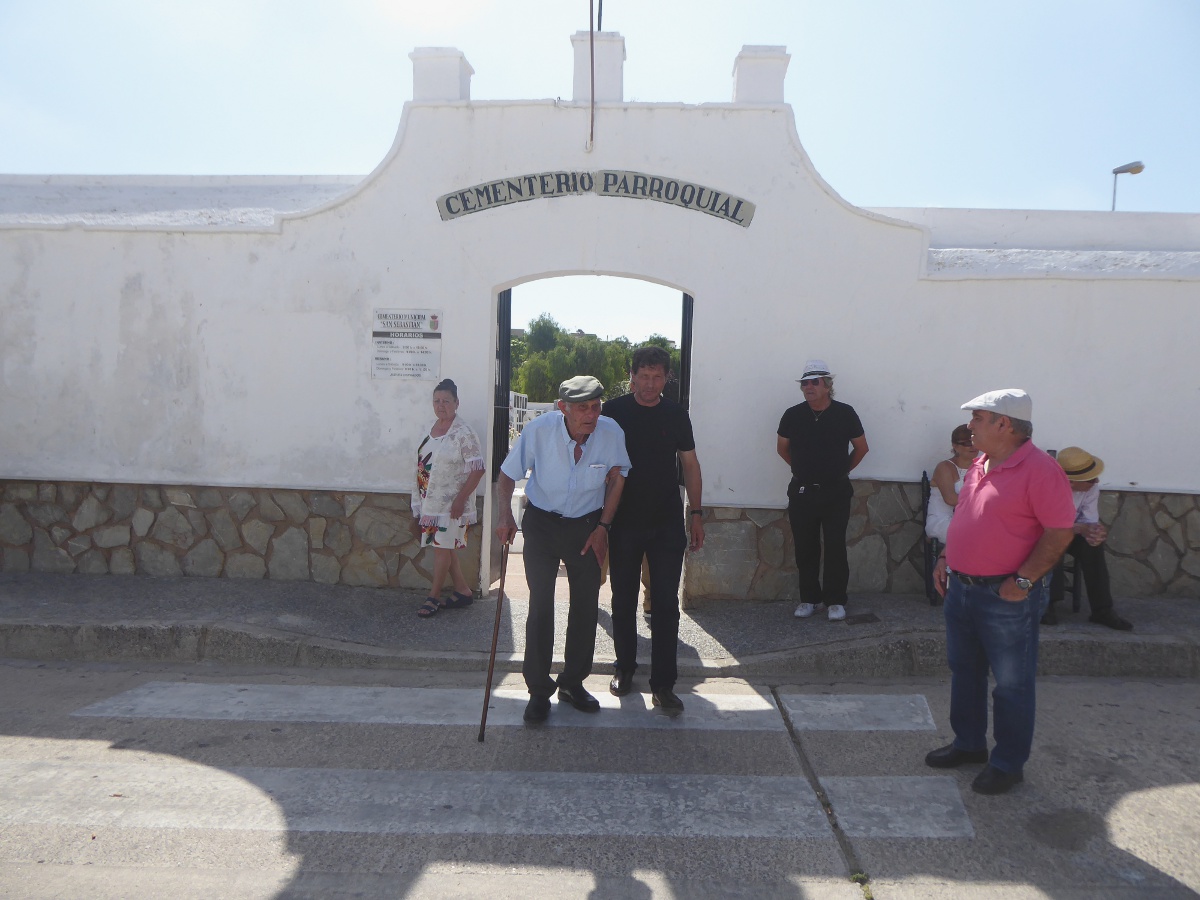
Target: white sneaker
[(804, 610), (837, 612)]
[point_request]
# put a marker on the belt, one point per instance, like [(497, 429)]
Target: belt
[(982, 580), (816, 486), (529, 507)]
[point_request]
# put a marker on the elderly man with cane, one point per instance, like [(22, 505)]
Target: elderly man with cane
[(577, 465), (1013, 521)]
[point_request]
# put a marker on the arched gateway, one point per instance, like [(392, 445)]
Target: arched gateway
[(227, 376)]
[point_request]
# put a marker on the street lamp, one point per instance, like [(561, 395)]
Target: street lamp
[(1132, 168)]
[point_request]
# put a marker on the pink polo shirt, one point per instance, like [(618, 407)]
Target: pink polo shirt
[(1002, 514)]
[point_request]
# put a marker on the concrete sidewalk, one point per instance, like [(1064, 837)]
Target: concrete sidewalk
[(45, 616)]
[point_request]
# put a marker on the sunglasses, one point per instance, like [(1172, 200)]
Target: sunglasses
[(810, 382)]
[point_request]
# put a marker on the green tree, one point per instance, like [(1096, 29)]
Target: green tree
[(534, 379), (617, 354), (550, 355), (544, 334), (518, 352)]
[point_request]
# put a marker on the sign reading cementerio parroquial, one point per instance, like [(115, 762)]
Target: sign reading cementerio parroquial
[(406, 343), (606, 183)]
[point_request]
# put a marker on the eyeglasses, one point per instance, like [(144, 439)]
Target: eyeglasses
[(810, 382), (964, 444)]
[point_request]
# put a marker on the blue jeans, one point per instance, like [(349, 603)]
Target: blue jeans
[(984, 631)]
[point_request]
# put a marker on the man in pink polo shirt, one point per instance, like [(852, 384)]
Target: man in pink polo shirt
[(1013, 521)]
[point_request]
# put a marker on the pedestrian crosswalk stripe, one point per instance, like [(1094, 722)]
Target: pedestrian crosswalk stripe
[(186, 795), (858, 712), (896, 806), (743, 711)]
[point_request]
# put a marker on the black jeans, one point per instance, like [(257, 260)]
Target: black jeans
[(816, 514), (663, 549), (550, 539), (1094, 570)]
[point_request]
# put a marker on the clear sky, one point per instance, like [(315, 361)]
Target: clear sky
[(1025, 104)]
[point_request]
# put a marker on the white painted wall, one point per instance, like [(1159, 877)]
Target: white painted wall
[(241, 356)]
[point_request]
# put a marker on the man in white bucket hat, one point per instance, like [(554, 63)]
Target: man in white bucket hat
[(821, 440)]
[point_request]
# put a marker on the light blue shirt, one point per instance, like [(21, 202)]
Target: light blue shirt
[(558, 483)]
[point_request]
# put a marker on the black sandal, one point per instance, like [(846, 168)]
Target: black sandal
[(429, 607), (458, 601)]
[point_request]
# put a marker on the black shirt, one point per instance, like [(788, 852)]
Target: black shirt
[(819, 441), (654, 436)]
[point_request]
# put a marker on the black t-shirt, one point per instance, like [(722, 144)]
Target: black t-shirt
[(819, 442), (654, 435)]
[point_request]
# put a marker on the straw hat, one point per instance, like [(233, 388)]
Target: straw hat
[(1079, 464)]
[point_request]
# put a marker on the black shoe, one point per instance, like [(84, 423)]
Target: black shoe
[(621, 684), (949, 757), (993, 781), (1050, 617), (1110, 619), (578, 698), (667, 702), (537, 710)]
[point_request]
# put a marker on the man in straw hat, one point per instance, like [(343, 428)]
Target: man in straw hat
[(577, 464), (1083, 471), (821, 440), (1013, 521)]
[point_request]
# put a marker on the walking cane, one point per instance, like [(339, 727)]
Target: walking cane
[(487, 691)]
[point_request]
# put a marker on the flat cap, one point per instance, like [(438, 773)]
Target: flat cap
[(580, 389), (1011, 402)]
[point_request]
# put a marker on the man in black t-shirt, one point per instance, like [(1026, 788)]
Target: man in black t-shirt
[(813, 441), (650, 523)]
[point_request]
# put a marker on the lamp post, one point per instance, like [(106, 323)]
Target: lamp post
[(1132, 168)]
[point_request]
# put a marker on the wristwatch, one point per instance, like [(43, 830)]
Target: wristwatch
[(607, 526), (1023, 583)]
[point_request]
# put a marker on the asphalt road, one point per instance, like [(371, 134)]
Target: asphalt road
[(210, 781)]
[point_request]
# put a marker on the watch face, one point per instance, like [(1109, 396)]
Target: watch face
[(1024, 583)]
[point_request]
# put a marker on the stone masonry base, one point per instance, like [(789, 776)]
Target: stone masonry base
[(359, 538), (1153, 546), (331, 537)]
